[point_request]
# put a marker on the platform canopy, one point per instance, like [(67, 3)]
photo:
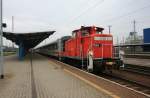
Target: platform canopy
[(26, 41), (29, 40)]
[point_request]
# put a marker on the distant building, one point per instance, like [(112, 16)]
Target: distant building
[(10, 49), (146, 35), (133, 38), (135, 44)]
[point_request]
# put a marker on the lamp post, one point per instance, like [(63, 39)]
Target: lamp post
[(1, 42)]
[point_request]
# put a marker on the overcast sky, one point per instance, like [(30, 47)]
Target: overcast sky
[(64, 16)]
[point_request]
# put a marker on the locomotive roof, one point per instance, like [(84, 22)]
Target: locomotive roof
[(65, 37), (88, 28)]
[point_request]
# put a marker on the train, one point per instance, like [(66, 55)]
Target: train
[(88, 48)]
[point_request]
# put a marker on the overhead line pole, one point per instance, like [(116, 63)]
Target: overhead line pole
[(12, 29), (12, 24), (109, 27), (134, 30), (1, 41), (134, 22)]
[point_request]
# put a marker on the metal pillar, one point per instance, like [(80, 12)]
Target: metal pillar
[(21, 51), (1, 43)]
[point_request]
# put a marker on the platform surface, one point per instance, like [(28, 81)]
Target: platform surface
[(50, 81), (136, 61)]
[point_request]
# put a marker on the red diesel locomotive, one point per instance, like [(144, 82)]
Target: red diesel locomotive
[(88, 48)]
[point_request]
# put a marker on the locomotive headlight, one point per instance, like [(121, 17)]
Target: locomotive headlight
[(109, 63)]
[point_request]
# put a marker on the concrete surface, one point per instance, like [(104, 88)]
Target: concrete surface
[(50, 81)]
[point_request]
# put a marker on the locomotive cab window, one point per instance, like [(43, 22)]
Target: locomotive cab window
[(73, 34), (85, 33), (99, 32)]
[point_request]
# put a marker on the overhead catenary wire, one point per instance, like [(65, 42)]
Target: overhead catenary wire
[(115, 19), (94, 6), (86, 10), (126, 14), (111, 20)]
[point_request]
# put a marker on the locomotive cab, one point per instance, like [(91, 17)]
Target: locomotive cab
[(93, 40)]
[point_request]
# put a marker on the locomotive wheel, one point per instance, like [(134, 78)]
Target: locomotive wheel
[(98, 69)]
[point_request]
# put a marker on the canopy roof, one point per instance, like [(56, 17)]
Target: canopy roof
[(29, 40)]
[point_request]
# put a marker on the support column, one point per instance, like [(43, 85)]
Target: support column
[(21, 51)]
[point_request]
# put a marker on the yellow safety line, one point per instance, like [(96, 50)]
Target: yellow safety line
[(92, 84)]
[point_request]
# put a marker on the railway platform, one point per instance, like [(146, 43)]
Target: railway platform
[(137, 65), (41, 78), (137, 61)]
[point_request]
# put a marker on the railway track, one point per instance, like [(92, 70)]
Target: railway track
[(131, 83), (130, 78), (138, 76), (137, 69), (117, 85)]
